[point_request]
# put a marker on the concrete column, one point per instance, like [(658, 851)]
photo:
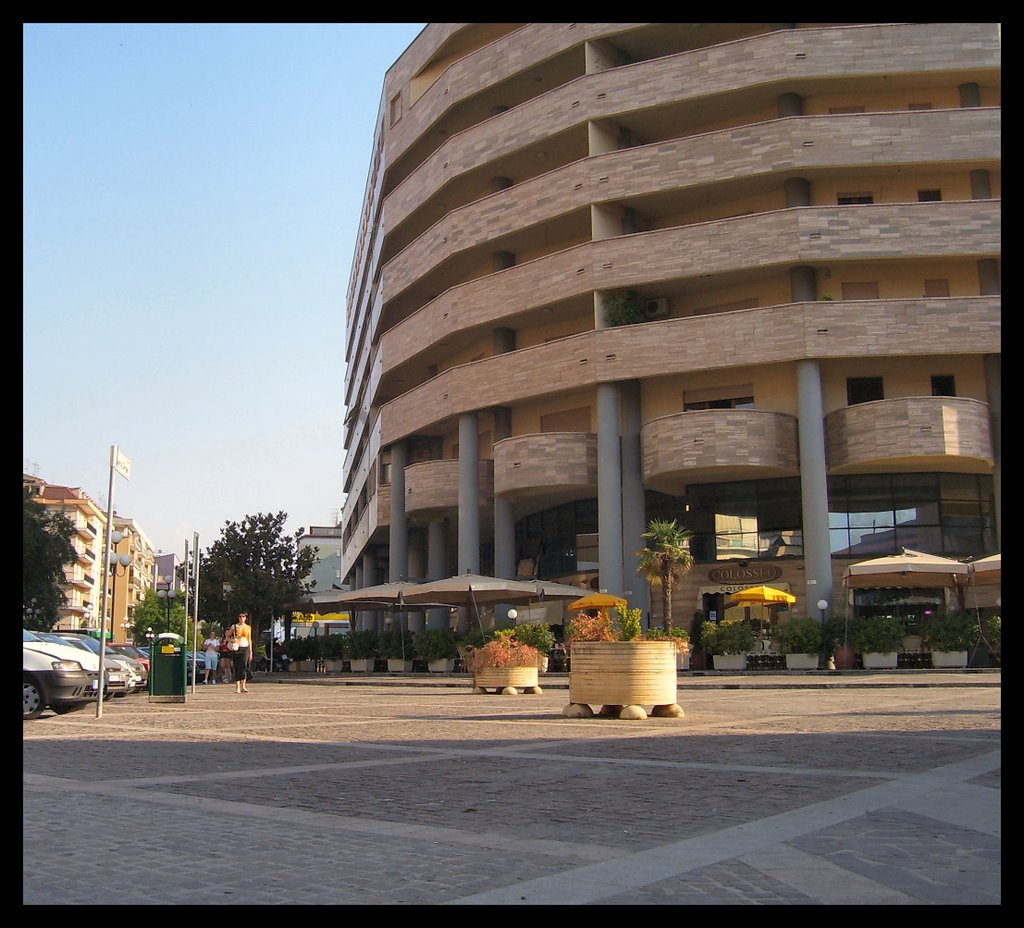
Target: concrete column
[(504, 518), (981, 185), (994, 392), (469, 494), (802, 285), (988, 277), (634, 513), (970, 95), (798, 191), (813, 486), (398, 530), (357, 582), (370, 618), (790, 104), (609, 489), (437, 568)]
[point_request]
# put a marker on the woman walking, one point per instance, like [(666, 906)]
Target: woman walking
[(240, 640)]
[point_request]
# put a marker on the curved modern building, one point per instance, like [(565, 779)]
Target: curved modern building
[(740, 275)]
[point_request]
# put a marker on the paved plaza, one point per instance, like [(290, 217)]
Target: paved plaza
[(849, 788)]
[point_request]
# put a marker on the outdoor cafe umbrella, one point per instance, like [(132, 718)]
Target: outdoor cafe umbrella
[(765, 595), (596, 601), (987, 571), (909, 570)]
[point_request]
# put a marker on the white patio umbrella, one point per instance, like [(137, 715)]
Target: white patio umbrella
[(911, 569), (987, 571)]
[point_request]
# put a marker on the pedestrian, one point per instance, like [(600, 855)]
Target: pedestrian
[(211, 651), (240, 643)]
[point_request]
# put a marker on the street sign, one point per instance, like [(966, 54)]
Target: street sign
[(120, 463)]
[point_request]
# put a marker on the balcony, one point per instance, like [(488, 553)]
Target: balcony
[(432, 488), (546, 468), (914, 433), (717, 445)]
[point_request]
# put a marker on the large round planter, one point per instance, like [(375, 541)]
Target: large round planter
[(509, 681), (729, 661), (801, 662), (362, 664), (622, 677), (879, 660), (442, 665), (949, 658)]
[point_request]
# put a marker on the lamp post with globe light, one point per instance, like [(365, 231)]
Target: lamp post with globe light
[(166, 593)]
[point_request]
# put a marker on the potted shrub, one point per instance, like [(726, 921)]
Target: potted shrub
[(439, 648), (299, 650), (799, 639), (995, 639), (837, 642), (503, 664), (679, 636), (397, 647), (950, 637), (623, 308), (362, 650), (334, 651), (729, 642), (614, 667), (878, 640), (537, 636)]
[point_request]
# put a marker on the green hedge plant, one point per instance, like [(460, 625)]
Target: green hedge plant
[(436, 644), (730, 636), (362, 644), (952, 631), (537, 636), (798, 635), (876, 634)]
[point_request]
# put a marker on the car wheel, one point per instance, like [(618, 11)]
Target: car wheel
[(34, 699)]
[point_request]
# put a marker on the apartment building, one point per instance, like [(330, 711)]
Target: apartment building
[(741, 275), (127, 584)]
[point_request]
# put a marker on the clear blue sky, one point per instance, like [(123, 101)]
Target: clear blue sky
[(192, 194)]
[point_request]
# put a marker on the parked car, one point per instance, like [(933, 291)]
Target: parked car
[(141, 654), (55, 676), (127, 674)]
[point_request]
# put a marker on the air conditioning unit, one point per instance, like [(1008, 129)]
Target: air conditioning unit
[(656, 308)]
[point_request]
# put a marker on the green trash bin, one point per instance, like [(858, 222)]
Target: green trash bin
[(167, 668)]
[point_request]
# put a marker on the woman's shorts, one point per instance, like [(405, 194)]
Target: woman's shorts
[(212, 660)]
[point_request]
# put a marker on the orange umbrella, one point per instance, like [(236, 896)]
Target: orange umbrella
[(596, 601)]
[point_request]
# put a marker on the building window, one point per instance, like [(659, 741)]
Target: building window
[(861, 290), (740, 396), (395, 108), (850, 199), (929, 196), (937, 286), (863, 390), (943, 385)]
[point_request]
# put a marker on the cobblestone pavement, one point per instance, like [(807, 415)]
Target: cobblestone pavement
[(812, 789)]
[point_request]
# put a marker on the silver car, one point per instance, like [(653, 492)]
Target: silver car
[(122, 677)]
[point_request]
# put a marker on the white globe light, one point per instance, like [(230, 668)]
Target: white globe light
[(513, 614), (823, 604)]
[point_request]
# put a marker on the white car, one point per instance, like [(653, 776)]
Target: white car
[(56, 676), (122, 677)]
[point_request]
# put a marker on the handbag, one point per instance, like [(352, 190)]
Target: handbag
[(233, 644)]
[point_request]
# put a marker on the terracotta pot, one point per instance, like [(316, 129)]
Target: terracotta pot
[(843, 657)]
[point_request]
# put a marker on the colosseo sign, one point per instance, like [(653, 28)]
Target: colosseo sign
[(747, 575)]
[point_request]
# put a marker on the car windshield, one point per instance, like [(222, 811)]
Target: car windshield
[(26, 635)]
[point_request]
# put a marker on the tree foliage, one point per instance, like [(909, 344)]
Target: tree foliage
[(665, 559), (46, 549), (266, 570), (151, 613)]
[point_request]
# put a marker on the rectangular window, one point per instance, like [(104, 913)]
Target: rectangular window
[(943, 385), (863, 390), (936, 286), (861, 290), (740, 396), (849, 199), (929, 196), (395, 108)]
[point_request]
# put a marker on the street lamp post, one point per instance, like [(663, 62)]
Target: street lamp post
[(166, 593), (116, 561), (32, 610), (823, 605)]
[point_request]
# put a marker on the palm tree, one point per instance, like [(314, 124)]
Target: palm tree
[(665, 559)]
